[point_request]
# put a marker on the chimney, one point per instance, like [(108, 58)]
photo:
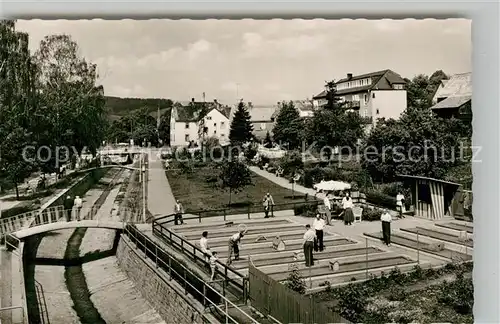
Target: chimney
[(215, 101), (349, 76), (192, 100)]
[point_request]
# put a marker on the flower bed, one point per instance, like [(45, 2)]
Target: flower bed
[(421, 296)]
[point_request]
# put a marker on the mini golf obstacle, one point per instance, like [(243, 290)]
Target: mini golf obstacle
[(457, 226), (459, 238)]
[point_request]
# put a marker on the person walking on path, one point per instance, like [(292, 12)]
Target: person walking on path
[(233, 247), (386, 219), (309, 238), (347, 205), (204, 246), (78, 203), (328, 208), (68, 207), (400, 202), (318, 226), (179, 210), (268, 203)]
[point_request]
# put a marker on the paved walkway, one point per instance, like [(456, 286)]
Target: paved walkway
[(161, 200), (285, 183)]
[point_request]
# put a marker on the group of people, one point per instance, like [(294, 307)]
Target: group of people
[(71, 204), (346, 204), (211, 256)]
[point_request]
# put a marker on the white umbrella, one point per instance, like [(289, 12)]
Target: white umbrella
[(332, 186)]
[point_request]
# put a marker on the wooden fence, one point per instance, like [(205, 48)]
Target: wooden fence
[(272, 298)]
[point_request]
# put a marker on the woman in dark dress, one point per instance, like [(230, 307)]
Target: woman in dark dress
[(347, 205)]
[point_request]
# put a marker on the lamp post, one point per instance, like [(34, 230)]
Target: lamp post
[(143, 170)]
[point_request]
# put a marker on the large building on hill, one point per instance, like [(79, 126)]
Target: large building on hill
[(191, 123), (374, 95)]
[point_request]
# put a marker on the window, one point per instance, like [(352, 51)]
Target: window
[(222, 135), (215, 124), (262, 126), (187, 125), (215, 131), (378, 112), (373, 95), (398, 87), (209, 117), (222, 125), (366, 98), (186, 137), (355, 97)]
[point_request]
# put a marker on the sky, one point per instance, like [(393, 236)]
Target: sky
[(262, 61)]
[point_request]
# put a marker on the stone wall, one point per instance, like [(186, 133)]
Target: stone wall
[(166, 296)]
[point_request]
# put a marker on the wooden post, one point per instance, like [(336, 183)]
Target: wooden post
[(418, 248), (366, 256)]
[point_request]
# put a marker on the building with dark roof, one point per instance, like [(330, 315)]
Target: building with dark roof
[(190, 123), (453, 97), (380, 94)]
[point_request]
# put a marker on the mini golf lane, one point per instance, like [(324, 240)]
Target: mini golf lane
[(437, 235), (226, 232), (401, 239), (457, 227), (288, 257), (259, 248), (207, 226), (323, 269), (252, 239)]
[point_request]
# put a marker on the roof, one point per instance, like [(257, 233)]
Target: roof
[(305, 108), (261, 114), (380, 80), (404, 176), (456, 85), (452, 102), (191, 112)]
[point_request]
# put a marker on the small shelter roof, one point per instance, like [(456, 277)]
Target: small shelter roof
[(404, 176)]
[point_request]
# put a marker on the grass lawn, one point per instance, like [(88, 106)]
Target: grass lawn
[(195, 193)]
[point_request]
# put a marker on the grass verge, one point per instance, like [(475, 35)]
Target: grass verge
[(197, 192)]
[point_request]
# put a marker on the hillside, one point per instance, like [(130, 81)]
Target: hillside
[(118, 107)]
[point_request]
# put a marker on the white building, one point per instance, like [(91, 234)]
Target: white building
[(374, 95), (190, 124)]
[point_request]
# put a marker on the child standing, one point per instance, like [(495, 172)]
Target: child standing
[(213, 265)]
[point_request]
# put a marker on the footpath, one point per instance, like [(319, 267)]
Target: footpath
[(161, 200)]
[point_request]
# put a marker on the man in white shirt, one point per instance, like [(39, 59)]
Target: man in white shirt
[(78, 203), (309, 238), (204, 245), (399, 202), (318, 226), (233, 247), (328, 208), (386, 219)]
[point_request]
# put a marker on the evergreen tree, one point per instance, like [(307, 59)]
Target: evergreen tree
[(268, 142), (295, 281), (289, 126), (241, 127)]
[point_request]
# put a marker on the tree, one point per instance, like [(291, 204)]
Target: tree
[(268, 142), (419, 144), (234, 176), (70, 110), (289, 126), (422, 88), (17, 93), (295, 281), (241, 127), (334, 124)]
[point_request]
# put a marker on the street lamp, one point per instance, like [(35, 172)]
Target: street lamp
[(143, 170)]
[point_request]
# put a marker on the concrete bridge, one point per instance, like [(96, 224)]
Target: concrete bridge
[(23, 233)]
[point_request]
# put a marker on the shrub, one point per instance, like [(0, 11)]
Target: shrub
[(291, 162), (186, 167), (295, 281), (371, 214), (250, 151), (306, 210), (352, 302), (380, 199), (459, 294)]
